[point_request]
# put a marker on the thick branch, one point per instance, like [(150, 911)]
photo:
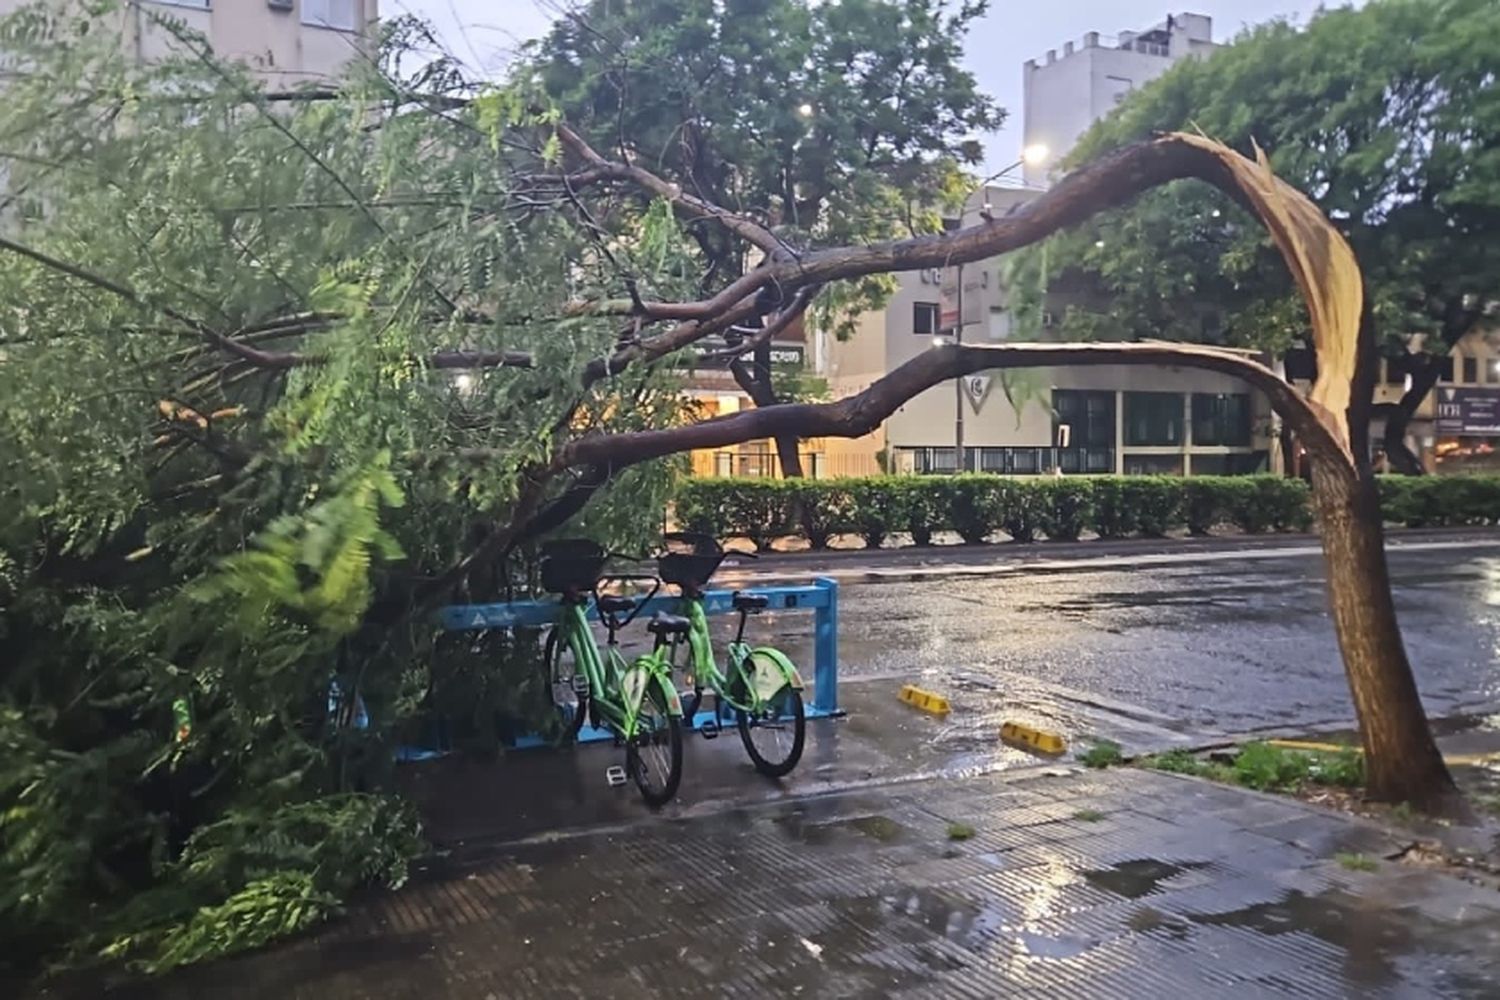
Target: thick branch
[(860, 414)]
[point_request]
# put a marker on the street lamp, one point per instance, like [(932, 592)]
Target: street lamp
[(1033, 155)]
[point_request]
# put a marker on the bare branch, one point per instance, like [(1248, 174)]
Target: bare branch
[(601, 169)]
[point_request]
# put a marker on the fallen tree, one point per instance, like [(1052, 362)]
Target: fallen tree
[(280, 373)]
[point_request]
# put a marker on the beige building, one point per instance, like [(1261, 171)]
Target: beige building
[(286, 41), (1107, 419), (1103, 419)]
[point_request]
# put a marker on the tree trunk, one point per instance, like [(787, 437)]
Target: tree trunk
[(1424, 376), (1402, 762), (758, 386)]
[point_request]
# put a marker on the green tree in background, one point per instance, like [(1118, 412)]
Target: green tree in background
[(831, 123), (1388, 116)]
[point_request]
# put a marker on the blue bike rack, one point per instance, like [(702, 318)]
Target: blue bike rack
[(820, 597)]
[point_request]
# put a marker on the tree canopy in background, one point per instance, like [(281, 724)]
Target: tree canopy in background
[(830, 123), (1388, 116)]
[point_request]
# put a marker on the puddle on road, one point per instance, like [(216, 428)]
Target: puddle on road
[(1142, 877), (881, 829)]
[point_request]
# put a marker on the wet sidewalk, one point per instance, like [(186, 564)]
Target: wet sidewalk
[(1072, 883)]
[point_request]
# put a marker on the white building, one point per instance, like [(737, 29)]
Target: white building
[(1064, 95), (285, 41)]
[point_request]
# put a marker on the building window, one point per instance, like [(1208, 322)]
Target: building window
[(924, 318), (1153, 418), (1089, 417), (1471, 371), (1492, 369), (345, 15), (1222, 419), (1445, 369)]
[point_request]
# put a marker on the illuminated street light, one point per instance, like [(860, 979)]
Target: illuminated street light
[(805, 110), (1036, 154)]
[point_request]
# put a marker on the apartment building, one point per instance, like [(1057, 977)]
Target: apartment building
[(1064, 94), (285, 41)]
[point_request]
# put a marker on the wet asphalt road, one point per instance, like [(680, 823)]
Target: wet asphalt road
[(1220, 642)]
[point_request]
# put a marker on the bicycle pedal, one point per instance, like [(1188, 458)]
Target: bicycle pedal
[(710, 729), (615, 776)]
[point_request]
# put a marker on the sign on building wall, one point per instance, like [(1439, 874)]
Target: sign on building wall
[(973, 280), (788, 355), (1468, 412), (977, 387)]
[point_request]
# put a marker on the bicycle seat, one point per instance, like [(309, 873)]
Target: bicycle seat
[(612, 604), (669, 625), (751, 602)]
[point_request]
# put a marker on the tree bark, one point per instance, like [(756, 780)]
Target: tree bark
[(758, 386), (1424, 375), (1402, 762)]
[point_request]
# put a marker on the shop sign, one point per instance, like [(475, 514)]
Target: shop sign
[(1468, 412)]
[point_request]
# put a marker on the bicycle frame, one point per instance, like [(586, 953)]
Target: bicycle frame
[(616, 688), (761, 671)]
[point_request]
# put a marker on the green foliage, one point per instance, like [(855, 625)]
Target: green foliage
[(1356, 862), (960, 831), (1068, 508), (1021, 509), (878, 510), (1102, 754), (1263, 503), (1268, 768), (821, 510), (1377, 113), (1156, 504), (1088, 816), (1431, 501), (973, 503), (926, 511), (183, 525), (847, 117), (978, 505)]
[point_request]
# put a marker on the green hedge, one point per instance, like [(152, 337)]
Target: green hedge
[(978, 507)]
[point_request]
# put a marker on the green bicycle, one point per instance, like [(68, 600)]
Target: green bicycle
[(636, 701), (761, 685)]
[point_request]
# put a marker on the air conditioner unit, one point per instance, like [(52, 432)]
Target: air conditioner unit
[(279, 4)]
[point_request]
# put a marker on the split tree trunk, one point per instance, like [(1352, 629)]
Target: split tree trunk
[(1402, 762), (758, 385), (1424, 375)]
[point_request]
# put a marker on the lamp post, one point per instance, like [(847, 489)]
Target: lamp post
[(1033, 155)]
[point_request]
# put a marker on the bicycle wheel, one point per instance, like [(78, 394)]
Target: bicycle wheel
[(653, 757), (774, 736), (569, 697)]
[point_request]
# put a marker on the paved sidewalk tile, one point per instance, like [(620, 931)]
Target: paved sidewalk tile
[(1074, 884)]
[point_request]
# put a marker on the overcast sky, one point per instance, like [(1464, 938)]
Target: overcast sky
[(485, 32)]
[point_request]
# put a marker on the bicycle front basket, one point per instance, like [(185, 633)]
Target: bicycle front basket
[(689, 560), (571, 564)]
